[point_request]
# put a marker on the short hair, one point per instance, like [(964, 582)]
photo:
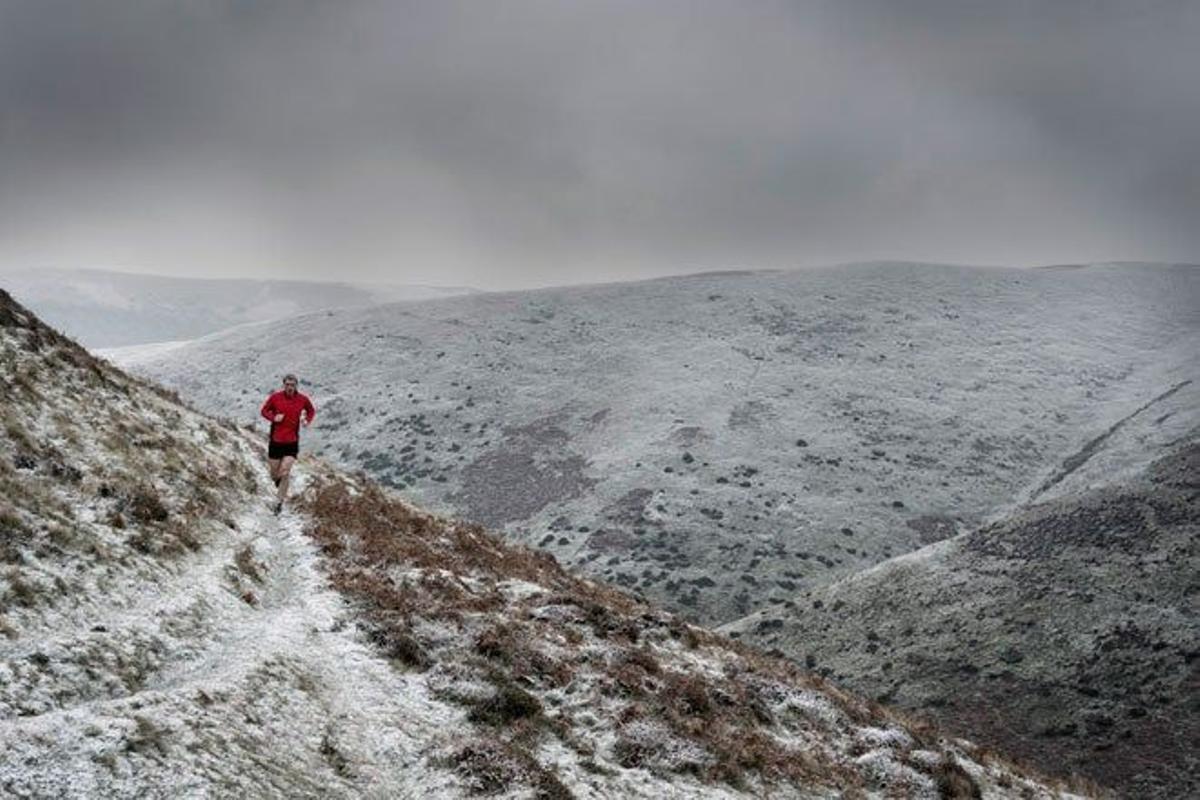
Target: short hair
[(290, 377)]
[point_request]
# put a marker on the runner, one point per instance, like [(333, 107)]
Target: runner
[(286, 410)]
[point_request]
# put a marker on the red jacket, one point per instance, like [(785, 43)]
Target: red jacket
[(287, 431)]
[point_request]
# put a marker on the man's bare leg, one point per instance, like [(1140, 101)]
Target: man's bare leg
[(273, 466), (285, 470)]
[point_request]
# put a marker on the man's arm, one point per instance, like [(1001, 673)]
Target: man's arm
[(268, 409), (310, 411)]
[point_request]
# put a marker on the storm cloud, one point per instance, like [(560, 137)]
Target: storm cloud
[(515, 144)]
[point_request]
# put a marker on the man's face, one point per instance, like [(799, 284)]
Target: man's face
[(289, 387)]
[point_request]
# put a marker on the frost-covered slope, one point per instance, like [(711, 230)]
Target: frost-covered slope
[(720, 442), (101, 308), (162, 635), (141, 656), (1067, 632)]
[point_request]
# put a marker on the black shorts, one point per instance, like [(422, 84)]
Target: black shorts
[(278, 450)]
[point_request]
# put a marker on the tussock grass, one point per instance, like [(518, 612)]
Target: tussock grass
[(509, 704), (954, 782), (148, 738), (370, 528), (11, 524), (492, 767), (247, 564), (16, 433), (21, 591), (146, 505), (34, 494), (487, 766), (407, 569)]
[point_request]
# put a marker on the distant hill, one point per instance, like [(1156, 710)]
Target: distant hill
[(103, 309), (721, 442), (1067, 632), (163, 634)]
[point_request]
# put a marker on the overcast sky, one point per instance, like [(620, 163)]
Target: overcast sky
[(514, 144)]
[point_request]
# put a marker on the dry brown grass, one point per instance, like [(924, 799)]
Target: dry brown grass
[(727, 718), (147, 738), (366, 533), (25, 382), (491, 767), (404, 566), (178, 536), (510, 704), (384, 530), (486, 766), (247, 565), (145, 505), (21, 591), (954, 782), (11, 524), (17, 434), (33, 493)]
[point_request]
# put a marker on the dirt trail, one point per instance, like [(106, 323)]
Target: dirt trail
[(199, 688)]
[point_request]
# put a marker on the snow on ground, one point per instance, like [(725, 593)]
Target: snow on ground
[(103, 308), (273, 697), (134, 355)]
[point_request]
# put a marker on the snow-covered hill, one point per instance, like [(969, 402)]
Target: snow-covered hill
[(104, 309), (1067, 633), (722, 442), (163, 635)]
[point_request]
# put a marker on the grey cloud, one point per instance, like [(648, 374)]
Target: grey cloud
[(525, 143)]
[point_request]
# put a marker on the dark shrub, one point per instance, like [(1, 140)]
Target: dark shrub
[(954, 783), (146, 506), (509, 704)]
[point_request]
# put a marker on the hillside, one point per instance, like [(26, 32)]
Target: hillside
[(163, 634), (720, 443), (102, 308), (1066, 633)]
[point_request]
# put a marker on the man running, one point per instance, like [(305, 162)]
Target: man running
[(286, 410)]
